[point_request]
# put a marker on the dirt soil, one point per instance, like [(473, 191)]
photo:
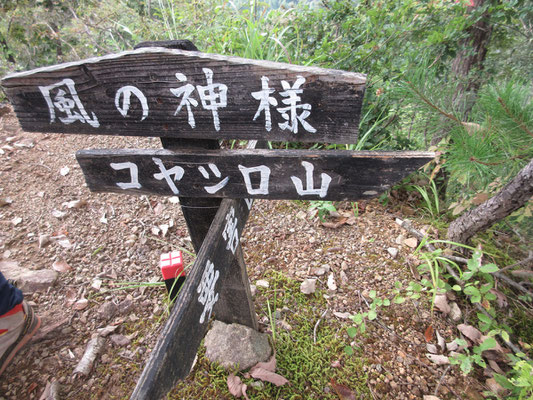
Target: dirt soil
[(95, 240)]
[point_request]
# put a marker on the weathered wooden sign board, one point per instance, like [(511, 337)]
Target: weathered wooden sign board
[(191, 100), (176, 93), (267, 174)]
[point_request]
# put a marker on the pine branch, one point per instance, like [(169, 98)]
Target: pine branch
[(432, 105), (520, 124)]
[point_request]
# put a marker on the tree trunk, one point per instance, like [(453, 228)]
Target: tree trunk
[(472, 53), (509, 199), (470, 57)]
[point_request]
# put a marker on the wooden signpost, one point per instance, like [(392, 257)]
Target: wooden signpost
[(191, 100)]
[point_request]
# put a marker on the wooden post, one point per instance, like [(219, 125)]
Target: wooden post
[(236, 304)]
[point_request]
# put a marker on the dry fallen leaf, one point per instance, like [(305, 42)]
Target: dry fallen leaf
[(61, 266), (440, 341), (71, 296), (342, 315), (470, 332), (235, 386), (65, 243), (480, 198), (270, 365), (438, 359), (431, 348), (268, 376), (107, 330), (495, 387), (428, 334), (441, 302), (342, 391), (335, 224)]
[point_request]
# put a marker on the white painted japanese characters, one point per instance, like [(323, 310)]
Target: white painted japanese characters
[(213, 97), (230, 233), (173, 176), (71, 108), (206, 290)]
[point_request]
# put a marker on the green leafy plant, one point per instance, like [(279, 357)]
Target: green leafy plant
[(467, 359), (519, 380), (324, 208)]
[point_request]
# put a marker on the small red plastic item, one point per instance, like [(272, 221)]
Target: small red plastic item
[(172, 269)]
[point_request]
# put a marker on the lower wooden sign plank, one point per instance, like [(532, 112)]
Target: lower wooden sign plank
[(268, 174), (174, 353)]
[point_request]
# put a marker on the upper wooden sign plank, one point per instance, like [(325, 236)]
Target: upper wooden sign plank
[(187, 94)]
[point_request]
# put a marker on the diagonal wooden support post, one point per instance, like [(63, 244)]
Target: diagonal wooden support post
[(174, 354)]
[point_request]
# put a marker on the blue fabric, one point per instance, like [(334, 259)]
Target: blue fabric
[(10, 296)]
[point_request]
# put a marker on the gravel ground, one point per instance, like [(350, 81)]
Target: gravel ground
[(50, 221)]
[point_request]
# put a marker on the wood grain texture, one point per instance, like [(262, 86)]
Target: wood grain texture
[(354, 175), (174, 353), (334, 96)]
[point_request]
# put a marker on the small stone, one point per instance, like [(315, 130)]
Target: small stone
[(344, 277), (455, 312), (119, 340), (411, 242), (16, 221), (393, 251), (399, 239), (58, 214), (253, 290), (29, 281), (332, 286), (107, 310), (44, 240), (262, 283), (308, 286), (284, 325), (318, 271), (394, 385), (236, 346)]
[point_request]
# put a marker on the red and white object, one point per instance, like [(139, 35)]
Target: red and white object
[(172, 269), (171, 265)]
